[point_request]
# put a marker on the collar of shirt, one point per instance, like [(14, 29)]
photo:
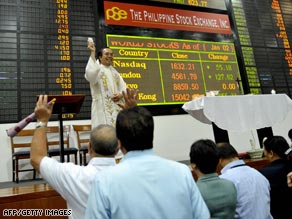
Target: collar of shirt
[(232, 164), (208, 177), (102, 161), (138, 153), (105, 66), (279, 161)]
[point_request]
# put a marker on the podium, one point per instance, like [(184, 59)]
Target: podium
[(65, 105)]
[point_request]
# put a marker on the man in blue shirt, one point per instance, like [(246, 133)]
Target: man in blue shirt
[(253, 189), (144, 185)]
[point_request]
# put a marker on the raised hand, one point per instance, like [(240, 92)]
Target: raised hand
[(43, 110), (130, 97)]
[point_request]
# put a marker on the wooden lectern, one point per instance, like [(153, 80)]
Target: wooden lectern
[(65, 105)]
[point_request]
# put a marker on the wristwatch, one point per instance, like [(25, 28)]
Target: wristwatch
[(41, 124)]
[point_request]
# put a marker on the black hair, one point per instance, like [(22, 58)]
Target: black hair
[(290, 134), (278, 145), (204, 154), (135, 128), (226, 150), (100, 52)]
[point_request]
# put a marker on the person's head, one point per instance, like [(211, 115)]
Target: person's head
[(103, 141), (227, 153), (105, 56), (290, 134), (204, 156), (275, 148), (135, 129)]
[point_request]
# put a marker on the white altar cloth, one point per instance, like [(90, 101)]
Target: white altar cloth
[(242, 112)]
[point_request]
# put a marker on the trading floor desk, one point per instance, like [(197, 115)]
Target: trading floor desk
[(41, 198)]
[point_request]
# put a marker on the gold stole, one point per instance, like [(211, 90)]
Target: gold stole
[(111, 108)]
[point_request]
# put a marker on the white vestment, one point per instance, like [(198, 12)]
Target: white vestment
[(104, 82)]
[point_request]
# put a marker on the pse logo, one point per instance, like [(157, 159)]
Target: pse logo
[(116, 14)]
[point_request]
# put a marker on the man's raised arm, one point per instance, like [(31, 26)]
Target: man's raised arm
[(43, 113)]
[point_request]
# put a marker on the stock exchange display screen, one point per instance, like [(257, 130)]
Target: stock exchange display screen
[(215, 4), (43, 50), (173, 71), (264, 33)]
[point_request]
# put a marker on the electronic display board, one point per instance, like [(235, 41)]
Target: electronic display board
[(215, 4), (174, 71), (43, 50), (265, 35)]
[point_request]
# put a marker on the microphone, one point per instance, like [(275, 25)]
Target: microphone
[(20, 125)]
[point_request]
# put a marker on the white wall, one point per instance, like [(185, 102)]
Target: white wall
[(173, 137)]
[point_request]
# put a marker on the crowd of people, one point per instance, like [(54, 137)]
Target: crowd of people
[(145, 185)]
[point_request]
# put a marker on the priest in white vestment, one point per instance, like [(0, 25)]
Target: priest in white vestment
[(106, 86)]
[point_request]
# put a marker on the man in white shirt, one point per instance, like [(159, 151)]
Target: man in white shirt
[(73, 182)]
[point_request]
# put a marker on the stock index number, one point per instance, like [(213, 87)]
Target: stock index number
[(184, 76), (185, 86), (226, 67), (181, 97), (229, 86), (222, 76), (182, 66)]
